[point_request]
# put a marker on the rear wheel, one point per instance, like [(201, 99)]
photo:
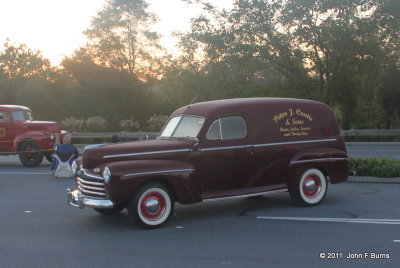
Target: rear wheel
[(109, 211), (311, 188), (30, 154), (152, 205)]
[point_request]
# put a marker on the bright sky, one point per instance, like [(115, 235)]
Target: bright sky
[(55, 26)]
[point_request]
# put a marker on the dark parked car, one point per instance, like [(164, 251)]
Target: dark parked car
[(213, 151)]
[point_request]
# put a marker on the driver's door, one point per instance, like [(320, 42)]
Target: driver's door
[(6, 139), (226, 158)]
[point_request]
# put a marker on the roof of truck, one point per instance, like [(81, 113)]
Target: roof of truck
[(8, 107), (240, 104)]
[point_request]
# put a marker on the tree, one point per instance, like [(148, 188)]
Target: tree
[(20, 65), (334, 51), (390, 97), (95, 90), (121, 37), (19, 61)]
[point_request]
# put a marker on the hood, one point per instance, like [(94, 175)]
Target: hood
[(50, 126), (149, 149)]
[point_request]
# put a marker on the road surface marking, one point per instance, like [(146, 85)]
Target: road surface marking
[(396, 241), (340, 220)]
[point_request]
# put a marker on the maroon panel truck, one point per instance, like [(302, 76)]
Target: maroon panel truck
[(31, 140), (216, 150)]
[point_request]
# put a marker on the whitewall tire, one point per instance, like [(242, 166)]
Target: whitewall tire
[(152, 206), (311, 188)]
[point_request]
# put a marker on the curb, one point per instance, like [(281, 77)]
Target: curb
[(363, 179)]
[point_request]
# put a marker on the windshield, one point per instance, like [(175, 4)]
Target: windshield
[(23, 115), (186, 126)]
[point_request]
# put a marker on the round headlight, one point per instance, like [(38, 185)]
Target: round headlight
[(106, 175), (74, 167)]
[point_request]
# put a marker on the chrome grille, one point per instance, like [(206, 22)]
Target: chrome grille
[(90, 184)]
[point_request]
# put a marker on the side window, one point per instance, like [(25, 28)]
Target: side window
[(227, 128), (214, 132), (22, 115), (4, 117)]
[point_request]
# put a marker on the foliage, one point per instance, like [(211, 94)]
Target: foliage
[(389, 97), (334, 51), (156, 122), (19, 61), (73, 124), (375, 167), (19, 66), (121, 38), (129, 124), (95, 90), (95, 123)]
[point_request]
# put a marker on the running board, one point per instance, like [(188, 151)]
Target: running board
[(244, 195)]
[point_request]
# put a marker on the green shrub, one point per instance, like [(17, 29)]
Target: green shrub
[(375, 167)]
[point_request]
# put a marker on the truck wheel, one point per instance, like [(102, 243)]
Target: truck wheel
[(310, 189), (152, 205), (109, 211), (30, 154)]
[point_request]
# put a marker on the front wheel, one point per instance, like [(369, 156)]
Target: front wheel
[(311, 188), (30, 154), (152, 205)]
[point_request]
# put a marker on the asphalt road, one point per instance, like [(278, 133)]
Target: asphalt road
[(38, 229)]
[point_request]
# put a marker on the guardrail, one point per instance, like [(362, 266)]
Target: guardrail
[(370, 132), (151, 135)]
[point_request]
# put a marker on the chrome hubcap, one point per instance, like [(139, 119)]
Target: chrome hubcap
[(311, 186), (152, 206)]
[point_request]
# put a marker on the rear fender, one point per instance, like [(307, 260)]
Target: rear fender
[(332, 162), (128, 176)]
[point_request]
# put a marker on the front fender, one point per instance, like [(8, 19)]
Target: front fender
[(331, 161), (128, 176), (40, 137)]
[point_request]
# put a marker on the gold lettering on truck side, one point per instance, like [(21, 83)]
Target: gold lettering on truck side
[(293, 123), (279, 116)]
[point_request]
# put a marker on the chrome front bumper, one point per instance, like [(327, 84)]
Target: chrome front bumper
[(76, 199)]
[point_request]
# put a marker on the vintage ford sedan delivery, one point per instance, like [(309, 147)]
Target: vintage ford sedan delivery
[(213, 151)]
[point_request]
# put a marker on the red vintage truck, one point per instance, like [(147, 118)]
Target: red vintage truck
[(31, 140), (213, 151)]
